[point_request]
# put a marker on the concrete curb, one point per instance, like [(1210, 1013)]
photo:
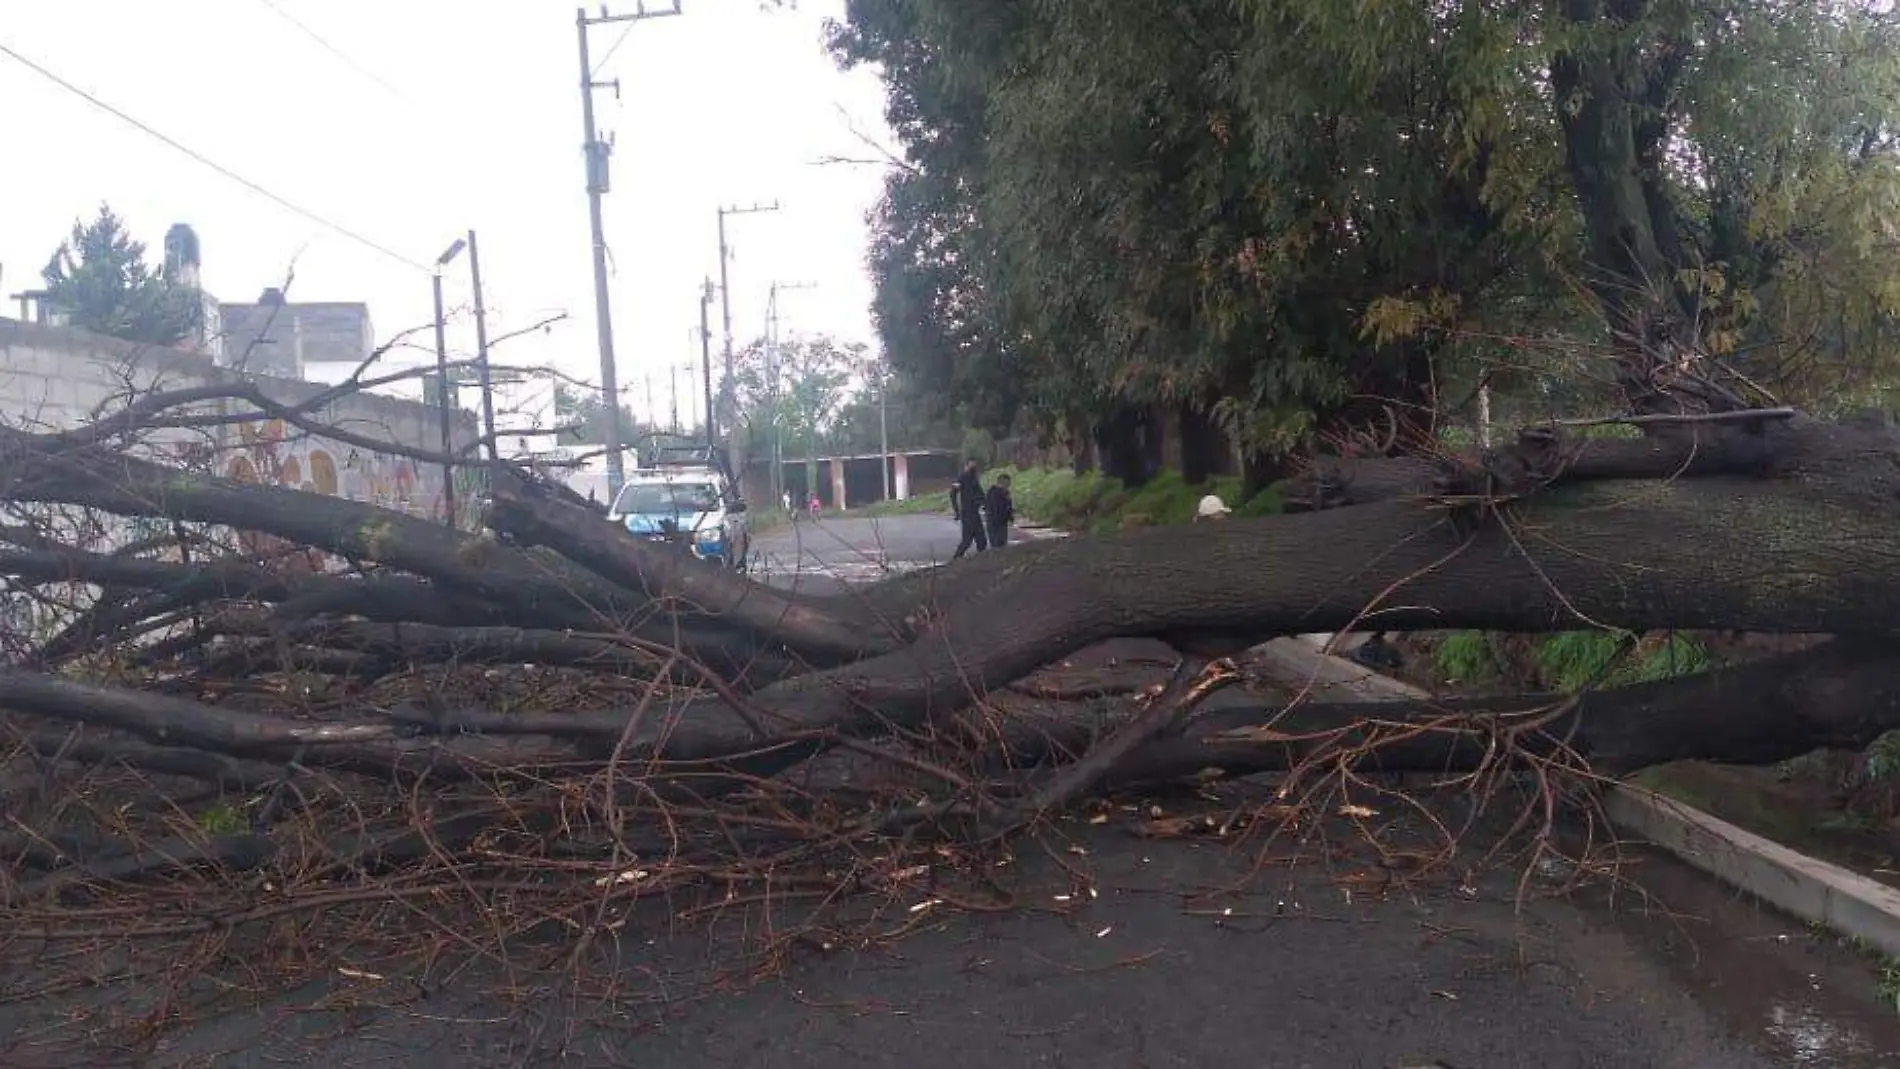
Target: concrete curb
[(1809, 888)]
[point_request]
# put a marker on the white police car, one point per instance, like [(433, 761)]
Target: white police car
[(695, 507)]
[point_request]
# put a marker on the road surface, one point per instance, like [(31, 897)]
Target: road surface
[(1158, 968), (821, 555)]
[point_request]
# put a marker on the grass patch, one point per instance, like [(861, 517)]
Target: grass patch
[(1572, 660), (1468, 657), (1092, 503), (1058, 497)]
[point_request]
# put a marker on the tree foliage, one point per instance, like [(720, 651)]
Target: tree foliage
[(1276, 212), (587, 413), (99, 280), (801, 385)]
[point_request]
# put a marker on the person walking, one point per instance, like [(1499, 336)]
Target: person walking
[(966, 502), (1002, 511)]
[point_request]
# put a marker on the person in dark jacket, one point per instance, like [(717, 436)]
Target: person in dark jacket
[(966, 501), (1002, 511)]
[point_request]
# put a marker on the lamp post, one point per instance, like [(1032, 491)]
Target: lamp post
[(481, 350), (442, 383)]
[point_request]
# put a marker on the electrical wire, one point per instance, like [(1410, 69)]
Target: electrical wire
[(281, 202), (611, 49), (341, 56)]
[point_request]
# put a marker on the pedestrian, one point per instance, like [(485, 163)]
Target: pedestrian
[(786, 499), (1211, 508), (1002, 511), (966, 502)]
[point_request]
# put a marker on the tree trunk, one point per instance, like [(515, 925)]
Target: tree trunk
[(1205, 452), (1121, 443)]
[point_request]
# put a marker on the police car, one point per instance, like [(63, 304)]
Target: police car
[(694, 507)]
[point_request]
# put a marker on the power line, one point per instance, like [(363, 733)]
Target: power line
[(341, 56), (281, 202), (611, 49)]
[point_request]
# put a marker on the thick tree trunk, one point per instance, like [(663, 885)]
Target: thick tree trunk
[(1121, 443), (1205, 452)]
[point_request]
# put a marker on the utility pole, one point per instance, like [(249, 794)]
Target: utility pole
[(442, 383), (725, 303), (772, 370), (673, 397), (596, 153), (883, 429), (481, 350), (705, 359)]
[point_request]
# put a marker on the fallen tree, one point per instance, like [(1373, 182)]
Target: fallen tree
[(544, 706)]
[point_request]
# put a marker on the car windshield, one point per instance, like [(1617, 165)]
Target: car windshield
[(665, 499)]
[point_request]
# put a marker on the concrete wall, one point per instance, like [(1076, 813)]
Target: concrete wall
[(55, 378), (280, 339)]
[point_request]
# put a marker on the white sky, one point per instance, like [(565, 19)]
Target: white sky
[(446, 115)]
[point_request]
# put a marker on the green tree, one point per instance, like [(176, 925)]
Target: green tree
[(1286, 219), (585, 410), (99, 280), (794, 391)]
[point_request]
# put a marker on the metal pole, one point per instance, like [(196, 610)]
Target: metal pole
[(771, 378), (726, 385), (725, 297), (481, 349), (705, 357), (448, 419), (883, 431)]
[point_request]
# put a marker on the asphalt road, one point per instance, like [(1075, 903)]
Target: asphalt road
[(1188, 954), (821, 555)]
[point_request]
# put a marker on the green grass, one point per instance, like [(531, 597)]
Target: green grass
[(910, 506), (223, 819), (1573, 660), (1091, 503), (1467, 657), (1889, 988)]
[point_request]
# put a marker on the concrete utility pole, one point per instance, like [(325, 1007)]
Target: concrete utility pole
[(883, 428), (596, 152), (673, 397), (481, 351), (725, 304), (772, 374), (705, 357)]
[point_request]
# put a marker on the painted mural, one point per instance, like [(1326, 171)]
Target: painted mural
[(267, 455)]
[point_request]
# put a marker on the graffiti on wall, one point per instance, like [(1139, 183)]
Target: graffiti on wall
[(320, 467)]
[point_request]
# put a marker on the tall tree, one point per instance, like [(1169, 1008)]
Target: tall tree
[(798, 388), (99, 280), (1286, 218)]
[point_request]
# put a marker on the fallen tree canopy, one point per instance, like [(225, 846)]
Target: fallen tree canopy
[(533, 705), (1778, 525)]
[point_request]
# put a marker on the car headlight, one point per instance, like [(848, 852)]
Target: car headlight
[(708, 535)]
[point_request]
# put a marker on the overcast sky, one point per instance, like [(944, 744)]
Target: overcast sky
[(434, 116)]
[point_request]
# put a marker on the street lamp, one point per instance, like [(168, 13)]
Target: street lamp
[(442, 382)]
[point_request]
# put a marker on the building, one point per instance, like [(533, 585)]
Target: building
[(273, 336), (270, 336)]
